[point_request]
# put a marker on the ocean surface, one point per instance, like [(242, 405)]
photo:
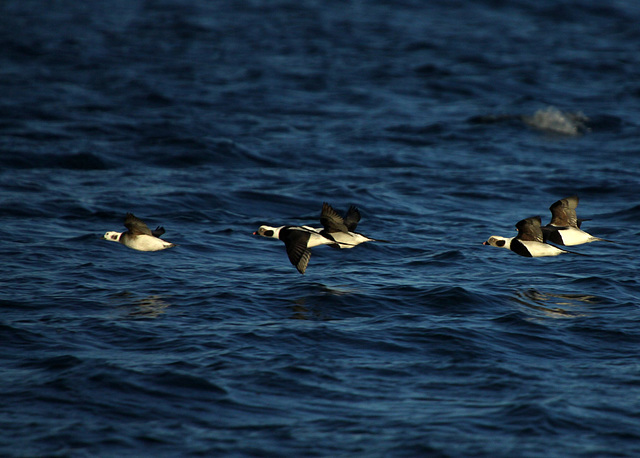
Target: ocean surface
[(445, 122)]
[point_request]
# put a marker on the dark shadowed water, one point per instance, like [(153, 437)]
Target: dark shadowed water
[(445, 122)]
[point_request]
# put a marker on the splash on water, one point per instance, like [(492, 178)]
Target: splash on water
[(552, 120)]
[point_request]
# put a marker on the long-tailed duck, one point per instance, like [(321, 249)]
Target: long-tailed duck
[(298, 240), (564, 228), (139, 236), (529, 241), (342, 230)]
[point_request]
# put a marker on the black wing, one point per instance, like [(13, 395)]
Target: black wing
[(529, 229), (158, 231), (296, 243), (518, 247), (563, 212), (135, 225), (352, 219), (552, 234), (331, 220)]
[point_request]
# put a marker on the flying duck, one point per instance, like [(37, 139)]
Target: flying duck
[(564, 228), (139, 236), (529, 242)]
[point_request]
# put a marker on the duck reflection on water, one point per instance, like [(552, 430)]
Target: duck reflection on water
[(151, 306), (554, 304), (319, 302)]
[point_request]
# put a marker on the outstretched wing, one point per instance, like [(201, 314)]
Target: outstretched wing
[(299, 257), (135, 225), (352, 219), (331, 220), (563, 212), (296, 242), (529, 229)]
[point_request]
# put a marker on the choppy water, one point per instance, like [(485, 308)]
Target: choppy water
[(445, 122)]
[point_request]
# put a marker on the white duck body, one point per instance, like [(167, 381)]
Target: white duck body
[(569, 236), (348, 239), (141, 242), (139, 236)]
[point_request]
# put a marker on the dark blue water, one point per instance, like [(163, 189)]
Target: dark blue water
[(445, 122)]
